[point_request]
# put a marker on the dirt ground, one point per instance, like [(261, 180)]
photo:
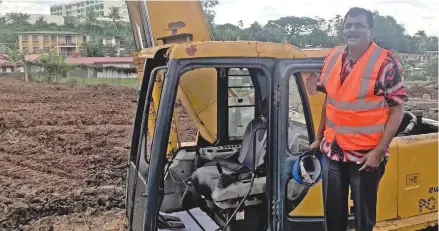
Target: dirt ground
[(63, 152)]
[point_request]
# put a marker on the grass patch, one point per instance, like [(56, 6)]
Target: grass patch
[(102, 81)]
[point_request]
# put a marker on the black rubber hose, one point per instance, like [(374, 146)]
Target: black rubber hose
[(413, 122)]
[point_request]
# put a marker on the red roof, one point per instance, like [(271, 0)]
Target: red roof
[(98, 60), (32, 57), (5, 63)]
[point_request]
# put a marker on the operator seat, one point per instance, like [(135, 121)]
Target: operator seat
[(206, 178)]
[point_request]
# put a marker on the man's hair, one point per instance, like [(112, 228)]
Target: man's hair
[(355, 11)]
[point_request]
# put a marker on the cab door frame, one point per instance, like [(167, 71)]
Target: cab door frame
[(281, 167)]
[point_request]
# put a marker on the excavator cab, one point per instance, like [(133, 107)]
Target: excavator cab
[(254, 125)]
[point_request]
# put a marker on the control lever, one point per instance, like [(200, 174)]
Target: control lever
[(220, 169), (224, 179)]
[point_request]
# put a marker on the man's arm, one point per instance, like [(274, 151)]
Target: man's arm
[(321, 129), (396, 115), (322, 123), (391, 86)]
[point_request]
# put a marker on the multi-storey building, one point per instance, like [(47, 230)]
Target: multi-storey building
[(62, 43), (79, 8)]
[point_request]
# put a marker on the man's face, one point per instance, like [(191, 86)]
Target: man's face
[(356, 31)]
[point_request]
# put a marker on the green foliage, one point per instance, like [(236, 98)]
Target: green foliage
[(318, 32), (208, 7), (96, 48), (431, 68)]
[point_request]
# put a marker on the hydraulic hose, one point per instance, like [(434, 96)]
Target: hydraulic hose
[(413, 122)]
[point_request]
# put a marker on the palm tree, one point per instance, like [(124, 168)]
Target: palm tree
[(18, 18), (421, 36), (16, 58), (91, 23), (40, 21), (240, 24), (421, 33), (91, 15), (114, 14)]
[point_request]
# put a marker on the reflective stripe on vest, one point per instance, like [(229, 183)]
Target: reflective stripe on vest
[(331, 63), (361, 103), (371, 129), (354, 114)]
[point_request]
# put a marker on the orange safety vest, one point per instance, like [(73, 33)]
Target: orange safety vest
[(354, 115)]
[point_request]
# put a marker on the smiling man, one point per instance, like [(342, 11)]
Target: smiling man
[(362, 112)]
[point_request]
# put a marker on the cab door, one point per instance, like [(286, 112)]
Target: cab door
[(299, 119)]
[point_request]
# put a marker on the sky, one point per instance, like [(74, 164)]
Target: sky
[(413, 14)]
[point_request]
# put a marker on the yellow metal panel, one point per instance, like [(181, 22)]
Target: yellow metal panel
[(408, 224), (312, 205), (161, 13), (173, 141), (387, 201), (198, 94), (149, 53), (418, 174), (235, 49)]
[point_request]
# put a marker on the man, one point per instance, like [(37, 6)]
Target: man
[(361, 114)]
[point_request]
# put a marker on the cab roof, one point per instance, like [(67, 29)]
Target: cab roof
[(223, 49)]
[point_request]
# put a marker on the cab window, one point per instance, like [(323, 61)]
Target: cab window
[(241, 106), (298, 139)]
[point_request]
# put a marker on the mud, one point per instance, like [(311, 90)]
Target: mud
[(63, 152)]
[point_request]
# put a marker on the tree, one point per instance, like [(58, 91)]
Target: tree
[(91, 15), (431, 68), (208, 7), (293, 26), (114, 14), (432, 43), (41, 21), (70, 21), (241, 24), (18, 18), (388, 33), (335, 26), (17, 58)]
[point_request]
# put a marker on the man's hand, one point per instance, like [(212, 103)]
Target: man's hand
[(311, 83), (315, 144), (372, 160)]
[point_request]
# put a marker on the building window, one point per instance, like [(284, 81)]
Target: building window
[(35, 38), (46, 38), (24, 38), (46, 49)]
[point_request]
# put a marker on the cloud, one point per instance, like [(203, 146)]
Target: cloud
[(413, 14)]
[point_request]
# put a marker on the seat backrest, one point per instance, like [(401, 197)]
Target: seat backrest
[(246, 152)]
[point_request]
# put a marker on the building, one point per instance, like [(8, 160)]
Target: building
[(63, 43), (79, 8), (101, 66), (33, 18)]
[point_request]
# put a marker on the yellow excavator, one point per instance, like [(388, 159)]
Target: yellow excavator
[(255, 119)]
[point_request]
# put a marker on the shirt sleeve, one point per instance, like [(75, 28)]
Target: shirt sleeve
[(391, 82), (319, 86)]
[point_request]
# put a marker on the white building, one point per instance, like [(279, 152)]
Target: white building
[(79, 8)]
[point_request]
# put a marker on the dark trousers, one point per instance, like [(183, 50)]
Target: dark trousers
[(337, 177)]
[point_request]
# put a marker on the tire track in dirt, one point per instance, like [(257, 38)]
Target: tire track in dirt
[(61, 148)]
